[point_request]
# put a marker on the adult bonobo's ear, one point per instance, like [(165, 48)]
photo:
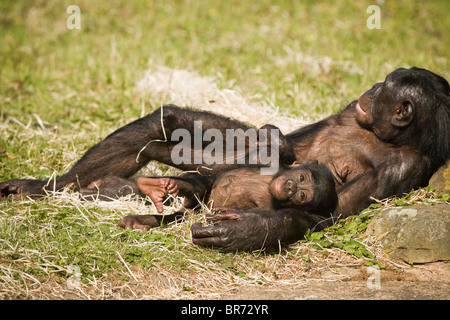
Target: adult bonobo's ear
[(403, 113)]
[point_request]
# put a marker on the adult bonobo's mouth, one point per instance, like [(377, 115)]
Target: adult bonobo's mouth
[(359, 109)]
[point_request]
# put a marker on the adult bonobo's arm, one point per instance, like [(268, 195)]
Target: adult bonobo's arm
[(243, 230), (253, 230), (401, 172)]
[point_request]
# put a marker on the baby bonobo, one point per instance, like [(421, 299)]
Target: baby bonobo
[(305, 187)]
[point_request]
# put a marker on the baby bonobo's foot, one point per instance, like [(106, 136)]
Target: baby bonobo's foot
[(139, 222), (157, 189)]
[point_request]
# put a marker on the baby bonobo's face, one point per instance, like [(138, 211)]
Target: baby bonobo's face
[(295, 186), (308, 187)]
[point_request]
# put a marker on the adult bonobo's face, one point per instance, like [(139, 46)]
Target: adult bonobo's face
[(398, 108)]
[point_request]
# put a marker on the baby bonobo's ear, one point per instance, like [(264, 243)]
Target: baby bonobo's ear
[(296, 164), (302, 163)]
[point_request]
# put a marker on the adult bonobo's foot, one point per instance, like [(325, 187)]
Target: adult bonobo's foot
[(15, 189), (10, 190)]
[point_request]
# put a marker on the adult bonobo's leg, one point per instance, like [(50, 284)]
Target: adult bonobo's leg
[(129, 148)]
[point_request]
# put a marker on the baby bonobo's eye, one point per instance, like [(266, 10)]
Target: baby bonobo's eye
[(302, 196), (302, 177)]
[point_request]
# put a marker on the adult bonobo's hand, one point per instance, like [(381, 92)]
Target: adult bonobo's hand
[(232, 231), (239, 230)]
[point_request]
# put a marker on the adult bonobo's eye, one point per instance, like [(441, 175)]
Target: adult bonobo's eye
[(376, 86)]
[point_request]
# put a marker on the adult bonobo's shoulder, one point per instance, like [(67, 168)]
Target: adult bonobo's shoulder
[(411, 108)]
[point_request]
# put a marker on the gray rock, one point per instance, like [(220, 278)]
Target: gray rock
[(416, 234), (441, 179)]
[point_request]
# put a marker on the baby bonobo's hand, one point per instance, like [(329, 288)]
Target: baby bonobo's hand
[(216, 210), (157, 189)]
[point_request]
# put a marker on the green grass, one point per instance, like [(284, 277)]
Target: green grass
[(63, 90)]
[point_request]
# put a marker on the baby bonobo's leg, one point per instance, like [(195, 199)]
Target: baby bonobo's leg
[(139, 222), (109, 188), (157, 189), (191, 186), (147, 221)]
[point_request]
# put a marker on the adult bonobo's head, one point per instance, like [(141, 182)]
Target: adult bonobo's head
[(305, 186), (410, 108)]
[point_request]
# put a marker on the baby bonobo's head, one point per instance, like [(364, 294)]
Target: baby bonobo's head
[(309, 187)]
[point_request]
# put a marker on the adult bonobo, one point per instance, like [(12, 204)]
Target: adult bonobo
[(388, 142)]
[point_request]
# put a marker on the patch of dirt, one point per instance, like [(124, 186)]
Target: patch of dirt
[(430, 281), (401, 282)]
